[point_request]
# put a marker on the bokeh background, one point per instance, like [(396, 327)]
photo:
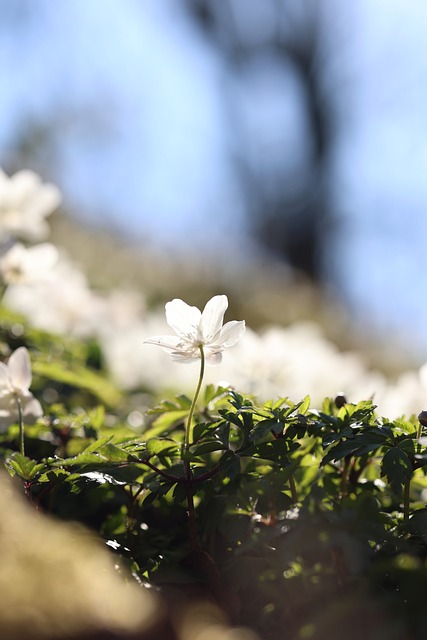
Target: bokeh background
[(275, 150)]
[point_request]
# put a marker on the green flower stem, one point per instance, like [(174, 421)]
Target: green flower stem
[(406, 499), (344, 477), (21, 426), (3, 289), (188, 430), (192, 525), (419, 434)]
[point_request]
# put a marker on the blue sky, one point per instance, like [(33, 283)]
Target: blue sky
[(154, 157)]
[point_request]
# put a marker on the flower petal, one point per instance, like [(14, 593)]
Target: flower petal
[(44, 255), (213, 359), (32, 410), (212, 317), (231, 332), (184, 358), (8, 403), (20, 369), (182, 318), (166, 342), (4, 377)]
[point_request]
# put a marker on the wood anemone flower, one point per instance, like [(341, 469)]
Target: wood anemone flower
[(25, 203), (195, 330), (15, 381)]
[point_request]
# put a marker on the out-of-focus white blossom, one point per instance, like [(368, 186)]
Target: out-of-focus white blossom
[(197, 329), (296, 361), (63, 303), (280, 361), (54, 294), (15, 381), (25, 265), (25, 203), (407, 395)]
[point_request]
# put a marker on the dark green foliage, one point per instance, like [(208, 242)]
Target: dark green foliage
[(310, 524)]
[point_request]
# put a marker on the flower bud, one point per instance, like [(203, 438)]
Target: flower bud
[(340, 400), (422, 417)]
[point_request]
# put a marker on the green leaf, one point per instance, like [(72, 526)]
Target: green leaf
[(122, 474), (162, 447), (165, 422), (407, 445), (397, 468), (276, 404), (212, 392), (417, 524), (184, 401), (305, 405), (208, 447), (97, 417), (179, 493), (156, 489), (229, 466), (360, 444), (275, 450), (97, 445), (102, 452), (264, 428), (55, 475), (115, 454), (79, 377), (24, 467), (84, 459), (202, 429), (339, 451)]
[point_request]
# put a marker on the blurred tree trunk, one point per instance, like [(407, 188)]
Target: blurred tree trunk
[(290, 218)]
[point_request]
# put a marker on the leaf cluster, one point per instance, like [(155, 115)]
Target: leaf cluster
[(305, 519)]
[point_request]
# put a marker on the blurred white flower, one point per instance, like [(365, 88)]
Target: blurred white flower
[(19, 264), (195, 329), (25, 202), (15, 381), (63, 303)]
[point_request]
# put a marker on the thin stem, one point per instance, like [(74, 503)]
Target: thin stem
[(191, 512), (406, 499), (3, 288), (130, 520), (419, 434), (188, 431), (162, 473), (344, 477), (293, 488), (21, 426), (207, 475), (192, 525), (189, 482)]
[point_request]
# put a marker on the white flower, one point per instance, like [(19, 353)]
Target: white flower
[(52, 306), (15, 381), (195, 329), (19, 264), (24, 204)]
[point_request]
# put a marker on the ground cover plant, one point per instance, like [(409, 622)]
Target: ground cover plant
[(297, 519)]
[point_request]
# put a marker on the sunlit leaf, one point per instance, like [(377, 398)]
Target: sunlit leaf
[(24, 467)]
